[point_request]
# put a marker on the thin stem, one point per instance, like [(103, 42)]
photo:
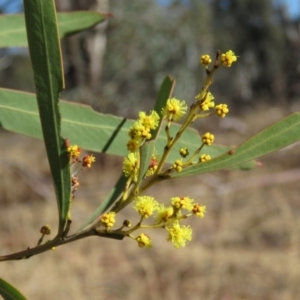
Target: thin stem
[(195, 154), (153, 226), (190, 118), (58, 242)]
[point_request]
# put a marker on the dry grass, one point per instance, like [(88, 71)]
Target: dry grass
[(247, 247)]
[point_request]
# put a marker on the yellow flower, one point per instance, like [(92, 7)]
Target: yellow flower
[(184, 152), (74, 151), (150, 121), (163, 213), (175, 109), (178, 165), (182, 203), (133, 133), (205, 60), (179, 235), (204, 158), (145, 206), (143, 240), (208, 138), (228, 58), (199, 210), (88, 160), (131, 166), (109, 219), (139, 131), (222, 110), (152, 166), (133, 145), (207, 102)]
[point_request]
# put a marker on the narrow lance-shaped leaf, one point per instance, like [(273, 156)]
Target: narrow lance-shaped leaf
[(146, 152), (277, 136), (8, 292), (107, 202), (13, 30), (87, 128), (164, 94), (44, 47)]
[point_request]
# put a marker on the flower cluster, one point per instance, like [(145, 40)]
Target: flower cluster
[(164, 213), (205, 60), (184, 152), (222, 110), (74, 153), (182, 203), (199, 210), (88, 160), (131, 166), (142, 167), (228, 58), (204, 158), (207, 102), (208, 138), (152, 166), (169, 218), (77, 164), (178, 165), (143, 241), (145, 206), (141, 130), (108, 220), (175, 109), (179, 235), (203, 107)]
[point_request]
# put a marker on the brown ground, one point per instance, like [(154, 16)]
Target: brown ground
[(247, 247)]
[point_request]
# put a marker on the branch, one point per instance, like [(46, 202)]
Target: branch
[(57, 241)]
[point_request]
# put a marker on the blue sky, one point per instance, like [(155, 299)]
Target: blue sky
[(293, 7), (11, 6)]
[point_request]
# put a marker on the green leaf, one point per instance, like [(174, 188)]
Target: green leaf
[(87, 128), (13, 31), (277, 136), (146, 152), (108, 202), (164, 94), (8, 292), (70, 23), (44, 48)]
